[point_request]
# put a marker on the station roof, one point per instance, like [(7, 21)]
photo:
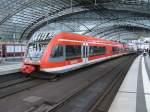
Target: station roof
[(110, 19)]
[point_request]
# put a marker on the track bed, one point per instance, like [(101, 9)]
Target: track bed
[(79, 90)]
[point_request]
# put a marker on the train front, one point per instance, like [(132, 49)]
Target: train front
[(35, 49)]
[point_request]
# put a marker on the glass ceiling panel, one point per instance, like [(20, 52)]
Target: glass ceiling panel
[(31, 11)]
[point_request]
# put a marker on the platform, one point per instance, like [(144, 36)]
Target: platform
[(134, 93), (8, 67)]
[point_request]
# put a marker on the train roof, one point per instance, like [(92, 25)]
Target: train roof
[(84, 37), (39, 36)]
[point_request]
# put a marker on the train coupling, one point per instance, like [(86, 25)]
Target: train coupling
[(27, 69)]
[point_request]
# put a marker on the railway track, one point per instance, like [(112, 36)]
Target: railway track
[(8, 77), (17, 83), (104, 101), (89, 98)]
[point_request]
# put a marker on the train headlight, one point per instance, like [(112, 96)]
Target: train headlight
[(25, 61)]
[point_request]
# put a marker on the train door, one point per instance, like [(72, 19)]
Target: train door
[(85, 52)]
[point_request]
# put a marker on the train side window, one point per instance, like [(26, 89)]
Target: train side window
[(97, 50), (57, 51), (73, 51), (115, 49)]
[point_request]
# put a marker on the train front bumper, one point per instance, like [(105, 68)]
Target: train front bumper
[(27, 69)]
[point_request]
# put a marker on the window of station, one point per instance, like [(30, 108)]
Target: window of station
[(96, 50), (57, 51), (73, 51), (115, 49)]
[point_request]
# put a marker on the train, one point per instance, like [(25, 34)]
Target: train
[(64, 52)]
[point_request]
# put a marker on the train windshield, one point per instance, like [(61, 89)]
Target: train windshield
[(35, 50), (37, 45)]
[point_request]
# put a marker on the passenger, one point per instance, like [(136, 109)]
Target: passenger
[(149, 52), (144, 52)]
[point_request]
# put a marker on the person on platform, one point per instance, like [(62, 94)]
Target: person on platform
[(149, 52), (144, 52)]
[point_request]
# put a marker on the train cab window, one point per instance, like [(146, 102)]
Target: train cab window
[(57, 51), (96, 50), (73, 51)]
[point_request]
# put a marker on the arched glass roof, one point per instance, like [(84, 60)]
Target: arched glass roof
[(90, 17)]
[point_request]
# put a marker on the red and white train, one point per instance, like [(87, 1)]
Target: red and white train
[(66, 51)]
